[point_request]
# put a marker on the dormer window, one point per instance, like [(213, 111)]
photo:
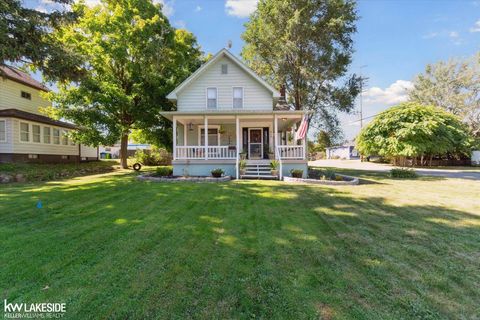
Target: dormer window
[(26, 95), (211, 98), (224, 68)]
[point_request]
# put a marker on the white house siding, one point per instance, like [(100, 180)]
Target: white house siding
[(255, 95), (7, 146), (10, 97), (40, 148), (88, 152)]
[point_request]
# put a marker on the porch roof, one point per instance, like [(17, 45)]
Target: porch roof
[(170, 114)]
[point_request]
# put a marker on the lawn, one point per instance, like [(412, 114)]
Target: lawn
[(113, 247)]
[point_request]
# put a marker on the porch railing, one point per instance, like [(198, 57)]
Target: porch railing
[(198, 152), (290, 152)]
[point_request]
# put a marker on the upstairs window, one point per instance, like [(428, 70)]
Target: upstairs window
[(211, 98), (238, 97), (24, 132), (46, 134), (3, 130), (36, 133), (224, 68), (26, 95), (56, 136)]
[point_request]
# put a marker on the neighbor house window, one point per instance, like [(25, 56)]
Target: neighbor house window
[(56, 136), (238, 97), (211, 98), (64, 137), (24, 132), (224, 68), (36, 133), (46, 134), (3, 130), (26, 95)]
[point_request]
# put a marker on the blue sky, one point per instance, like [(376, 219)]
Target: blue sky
[(395, 39)]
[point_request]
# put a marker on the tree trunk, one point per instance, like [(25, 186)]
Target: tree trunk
[(430, 161), (123, 150)]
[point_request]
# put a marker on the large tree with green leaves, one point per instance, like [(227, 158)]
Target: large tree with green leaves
[(133, 59), (26, 37), (453, 85), (306, 46), (412, 130)]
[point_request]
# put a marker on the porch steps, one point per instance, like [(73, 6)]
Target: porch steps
[(258, 170)]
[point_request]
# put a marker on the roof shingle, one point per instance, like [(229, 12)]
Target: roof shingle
[(17, 75)]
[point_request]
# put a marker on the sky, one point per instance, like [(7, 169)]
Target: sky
[(395, 39)]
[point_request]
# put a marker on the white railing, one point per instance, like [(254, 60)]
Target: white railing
[(279, 159), (290, 152), (198, 152)]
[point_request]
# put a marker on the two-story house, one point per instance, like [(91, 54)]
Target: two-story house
[(225, 113), (25, 134)]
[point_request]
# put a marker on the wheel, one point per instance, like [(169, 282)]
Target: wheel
[(137, 166)]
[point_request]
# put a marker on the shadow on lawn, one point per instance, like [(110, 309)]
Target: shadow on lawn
[(258, 249)]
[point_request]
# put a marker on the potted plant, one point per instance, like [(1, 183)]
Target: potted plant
[(217, 173), (242, 165), (296, 173), (243, 155), (274, 167)]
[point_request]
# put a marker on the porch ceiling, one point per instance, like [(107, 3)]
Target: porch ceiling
[(231, 114)]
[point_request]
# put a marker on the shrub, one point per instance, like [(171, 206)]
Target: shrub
[(154, 157), (296, 173), (274, 164), (164, 171), (217, 173), (403, 173)]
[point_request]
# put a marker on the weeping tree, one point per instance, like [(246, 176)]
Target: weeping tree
[(132, 58), (306, 46), (412, 130)]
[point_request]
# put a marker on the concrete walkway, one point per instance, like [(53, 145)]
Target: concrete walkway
[(471, 174)]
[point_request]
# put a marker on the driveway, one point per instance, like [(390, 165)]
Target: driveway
[(471, 174)]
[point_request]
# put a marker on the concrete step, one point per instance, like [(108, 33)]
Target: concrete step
[(256, 176)]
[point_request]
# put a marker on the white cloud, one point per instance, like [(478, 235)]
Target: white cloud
[(476, 27), (198, 9), (180, 24), (41, 9), (240, 8), (453, 34), (167, 7), (396, 93)]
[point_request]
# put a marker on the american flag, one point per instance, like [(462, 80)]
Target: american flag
[(302, 130)]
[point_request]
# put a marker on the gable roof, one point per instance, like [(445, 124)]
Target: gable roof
[(224, 52), (19, 76)]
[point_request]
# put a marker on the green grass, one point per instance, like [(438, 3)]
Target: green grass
[(113, 247)]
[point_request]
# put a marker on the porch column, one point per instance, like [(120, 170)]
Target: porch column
[(174, 138), (304, 143), (185, 134), (275, 135), (205, 131), (237, 135)]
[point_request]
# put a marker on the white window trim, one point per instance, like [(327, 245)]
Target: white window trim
[(40, 133), (206, 98), (233, 96), (200, 127), (5, 124), (20, 132), (59, 136), (50, 135)]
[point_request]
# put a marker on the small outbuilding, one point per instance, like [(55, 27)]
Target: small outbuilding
[(347, 152)]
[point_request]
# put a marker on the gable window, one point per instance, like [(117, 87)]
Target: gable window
[(36, 133), (46, 134), (64, 137), (238, 97), (224, 68), (56, 136), (3, 131), (211, 98), (24, 132), (26, 95)]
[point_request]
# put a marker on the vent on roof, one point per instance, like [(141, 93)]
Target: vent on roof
[(224, 68)]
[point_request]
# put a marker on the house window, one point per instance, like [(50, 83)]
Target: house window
[(64, 157), (72, 143), (33, 156), (224, 68), (3, 130), (64, 137), (238, 97), (36, 133), (213, 137), (56, 136), (211, 98), (24, 132), (46, 134), (26, 95)]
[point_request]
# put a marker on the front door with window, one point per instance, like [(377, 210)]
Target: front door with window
[(255, 143)]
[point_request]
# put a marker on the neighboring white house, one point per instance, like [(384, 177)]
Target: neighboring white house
[(25, 134), (342, 152), (113, 152), (226, 112)]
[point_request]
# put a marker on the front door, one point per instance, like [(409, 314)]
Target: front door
[(255, 143)]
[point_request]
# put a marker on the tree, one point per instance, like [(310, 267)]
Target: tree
[(305, 46), (133, 59), (453, 85), (415, 131), (323, 140), (25, 37)]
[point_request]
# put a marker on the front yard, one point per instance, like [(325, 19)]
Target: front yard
[(114, 247)]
